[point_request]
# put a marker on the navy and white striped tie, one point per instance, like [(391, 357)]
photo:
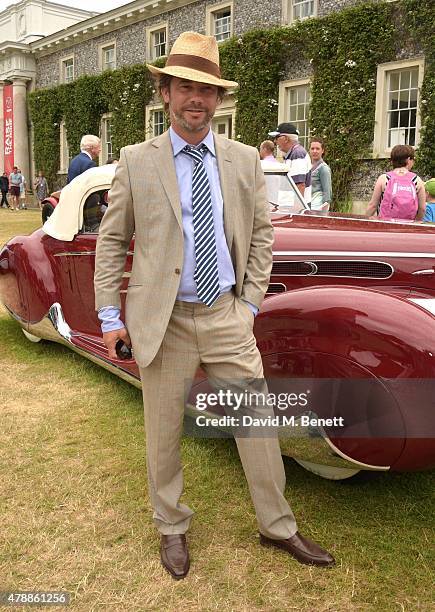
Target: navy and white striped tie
[(206, 270)]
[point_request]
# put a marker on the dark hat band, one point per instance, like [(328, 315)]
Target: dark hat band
[(194, 62)]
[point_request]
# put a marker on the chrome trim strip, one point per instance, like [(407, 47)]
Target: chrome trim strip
[(15, 316), (74, 253), (428, 271), (55, 316), (353, 254), (80, 253)]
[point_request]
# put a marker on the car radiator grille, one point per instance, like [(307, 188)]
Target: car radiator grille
[(338, 268)]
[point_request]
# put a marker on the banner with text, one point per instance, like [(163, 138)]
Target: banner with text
[(8, 128)]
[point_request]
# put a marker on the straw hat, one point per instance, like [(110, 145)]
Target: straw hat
[(194, 57)]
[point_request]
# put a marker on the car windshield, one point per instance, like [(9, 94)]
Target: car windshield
[(283, 195)]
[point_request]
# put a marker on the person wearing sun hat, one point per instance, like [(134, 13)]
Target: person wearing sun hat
[(202, 259), (286, 136), (430, 200)]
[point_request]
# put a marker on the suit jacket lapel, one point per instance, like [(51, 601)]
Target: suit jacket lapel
[(228, 181), (163, 159)]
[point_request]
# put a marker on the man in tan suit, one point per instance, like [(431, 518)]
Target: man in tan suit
[(202, 260)]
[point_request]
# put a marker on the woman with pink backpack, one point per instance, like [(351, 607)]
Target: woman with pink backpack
[(399, 194)]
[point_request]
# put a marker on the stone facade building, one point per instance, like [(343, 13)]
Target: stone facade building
[(144, 30), (21, 25)]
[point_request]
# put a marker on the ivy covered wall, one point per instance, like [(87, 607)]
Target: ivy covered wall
[(343, 50)]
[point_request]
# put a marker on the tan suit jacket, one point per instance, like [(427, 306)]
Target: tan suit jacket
[(144, 200)]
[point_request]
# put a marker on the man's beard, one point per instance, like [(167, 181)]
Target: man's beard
[(194, 128)]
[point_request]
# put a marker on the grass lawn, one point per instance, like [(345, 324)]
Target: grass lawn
[(76, 514)]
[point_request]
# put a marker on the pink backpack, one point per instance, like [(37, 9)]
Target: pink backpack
[(400, 197)]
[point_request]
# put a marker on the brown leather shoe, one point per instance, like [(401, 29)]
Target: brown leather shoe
[(302, 549), (174, 555)]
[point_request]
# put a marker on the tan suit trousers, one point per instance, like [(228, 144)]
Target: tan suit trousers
[(220, 339)]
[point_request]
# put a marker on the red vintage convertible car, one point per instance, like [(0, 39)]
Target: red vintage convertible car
[(351, 303)]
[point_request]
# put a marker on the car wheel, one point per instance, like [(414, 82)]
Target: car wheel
[(47, 211), (328, 471), (30, 336)]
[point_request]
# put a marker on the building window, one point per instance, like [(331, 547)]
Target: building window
[(158, 122), (155, 121), (294, 10), (219, 21), (397, 119), (402, 86), (67, 70), (158, 41), (108, 57), (106, 138), (222, 25), (224, 119), (294, 106), (65, 157)]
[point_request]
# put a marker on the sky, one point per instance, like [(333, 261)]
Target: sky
[(100, 6)]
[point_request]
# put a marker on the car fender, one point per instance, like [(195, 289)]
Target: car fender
[(28, 282), (357, 333), (387, 334)]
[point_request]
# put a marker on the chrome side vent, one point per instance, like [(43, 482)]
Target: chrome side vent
[(334, 267), (276, 288), (293, 268)]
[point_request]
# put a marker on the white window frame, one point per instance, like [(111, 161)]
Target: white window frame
[(64, 149), (227, 108), (62, 68), (150, 38), (104, 154), (380, 148), (149, 112), (283, 102), (102, 48), (210, 18), (287, 11)]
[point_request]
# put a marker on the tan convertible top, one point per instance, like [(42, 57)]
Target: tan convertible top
[(67, 218)]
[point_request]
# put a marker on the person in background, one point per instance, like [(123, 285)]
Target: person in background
[(41, 188), (112, 160), (90, 148), (430, 200), (267, 151), (321, 186), (15, 180), (399, 194), (23, 191), (296, 158), (4, 188)]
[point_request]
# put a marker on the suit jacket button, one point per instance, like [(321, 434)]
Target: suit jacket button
[(177, 271)]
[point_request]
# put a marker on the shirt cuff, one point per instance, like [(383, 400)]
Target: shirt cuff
[(110, 318), (252, 308)]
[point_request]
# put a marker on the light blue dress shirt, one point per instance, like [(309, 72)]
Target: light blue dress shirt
[(184, 169), (109, 315)]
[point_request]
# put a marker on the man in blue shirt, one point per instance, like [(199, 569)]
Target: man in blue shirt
[(90, 148), (202, 260)]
